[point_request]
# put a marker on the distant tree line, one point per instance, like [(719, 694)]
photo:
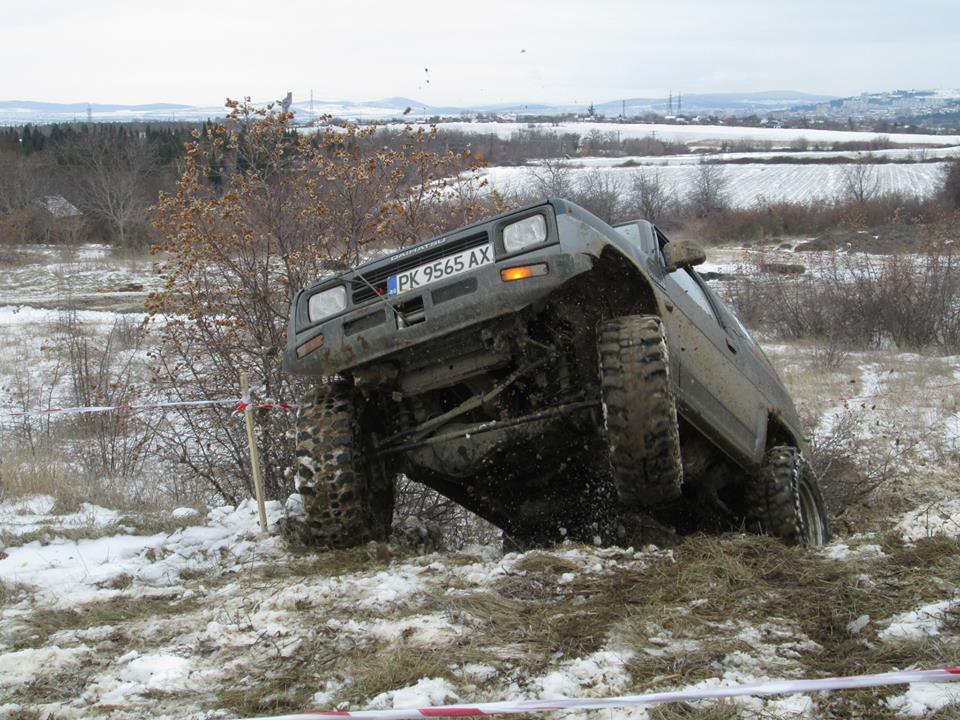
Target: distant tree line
[(112, 174), (109, 172)]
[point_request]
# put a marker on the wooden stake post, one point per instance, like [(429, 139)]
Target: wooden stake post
[(254, 455)]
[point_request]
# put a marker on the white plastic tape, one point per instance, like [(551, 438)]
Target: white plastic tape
[(239, 406), (781, 687), (112, 408)]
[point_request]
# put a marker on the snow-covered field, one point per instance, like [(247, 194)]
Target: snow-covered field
[(749, 184), (697, 134), (86, 276)]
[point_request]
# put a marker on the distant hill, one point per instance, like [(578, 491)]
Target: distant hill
[(788, 102), (68, 108)]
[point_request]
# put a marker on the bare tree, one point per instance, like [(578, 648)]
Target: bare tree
[(602, 194), (708, 196), (259, 212), (861, 181), (111, 178), (21, 182), (651, 197), (551, 178), (951, 184)]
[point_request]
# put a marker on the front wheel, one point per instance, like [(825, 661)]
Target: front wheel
[(784, 499), (640, 412), (347, 498)]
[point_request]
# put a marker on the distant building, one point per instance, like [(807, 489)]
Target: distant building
[(58, 206)]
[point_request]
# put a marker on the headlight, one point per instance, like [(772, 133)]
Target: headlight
[(524, 233), (327, 303)]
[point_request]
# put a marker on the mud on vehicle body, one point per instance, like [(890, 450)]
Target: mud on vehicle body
[(551, 373)]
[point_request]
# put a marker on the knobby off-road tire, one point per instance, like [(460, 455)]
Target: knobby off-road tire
[(783, 499), (347, 498), (640, 412)]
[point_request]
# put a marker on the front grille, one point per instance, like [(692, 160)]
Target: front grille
[(362, 291)]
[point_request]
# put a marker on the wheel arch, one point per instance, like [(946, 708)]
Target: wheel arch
[(616, 280), (778, 432)]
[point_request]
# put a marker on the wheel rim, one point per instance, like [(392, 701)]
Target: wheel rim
[(814, 531)]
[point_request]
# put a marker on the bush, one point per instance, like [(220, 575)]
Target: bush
[(856, 299), (261, 211)]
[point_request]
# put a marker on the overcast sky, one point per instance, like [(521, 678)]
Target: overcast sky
[(451, 52)]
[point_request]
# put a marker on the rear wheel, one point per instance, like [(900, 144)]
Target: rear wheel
[(640, 412), (348, 500), (784, 499)]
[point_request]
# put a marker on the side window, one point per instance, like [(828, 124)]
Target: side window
[(691, 287), (638, 236)]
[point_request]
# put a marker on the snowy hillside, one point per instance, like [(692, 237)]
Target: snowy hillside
[(698, 134), (749, 184)]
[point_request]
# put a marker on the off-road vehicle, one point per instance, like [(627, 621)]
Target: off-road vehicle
[(555, 375)]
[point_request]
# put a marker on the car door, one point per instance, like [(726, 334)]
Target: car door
[(713, 391)]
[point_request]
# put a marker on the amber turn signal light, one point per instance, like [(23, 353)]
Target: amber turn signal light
[(309, 346), (522, 272)]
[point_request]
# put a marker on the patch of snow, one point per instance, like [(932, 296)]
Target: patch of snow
[(917, 624), (601, 674), (924, 698), (22, 666), (855, 627), (426, 692), (323, 698), (479, 671), (942, 518), (69, 570), (142, 673), (841, 551), (28, 514)]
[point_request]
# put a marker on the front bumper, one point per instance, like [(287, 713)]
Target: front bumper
[(372, 331)]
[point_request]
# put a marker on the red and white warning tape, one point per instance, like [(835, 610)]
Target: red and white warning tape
[(239, 405), (781, 687)]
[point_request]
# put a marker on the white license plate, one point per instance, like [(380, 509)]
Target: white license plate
[(439, 270)]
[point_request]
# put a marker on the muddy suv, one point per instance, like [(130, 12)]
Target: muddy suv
[(553, 374)]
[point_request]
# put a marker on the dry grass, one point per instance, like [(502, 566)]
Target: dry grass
[(710, 590), (303, 562), (40, 470), (36, 628), (683, 711), (381, 670), (12, 592)]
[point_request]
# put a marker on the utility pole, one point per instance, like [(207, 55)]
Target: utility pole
[(670, 106), (679, 103), (623, 109), (311, 101)]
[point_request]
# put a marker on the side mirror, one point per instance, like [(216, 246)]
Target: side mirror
[(683, 254)]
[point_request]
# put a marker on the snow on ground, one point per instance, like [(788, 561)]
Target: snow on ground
[(924, 622), (87, 564), (168, 623), (90, 275), (696, 134), (938, 518), (26, 515), (906, 155), (923, 699), (749, 184)]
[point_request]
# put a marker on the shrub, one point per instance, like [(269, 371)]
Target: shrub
[(260, 211), (912, 300)]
